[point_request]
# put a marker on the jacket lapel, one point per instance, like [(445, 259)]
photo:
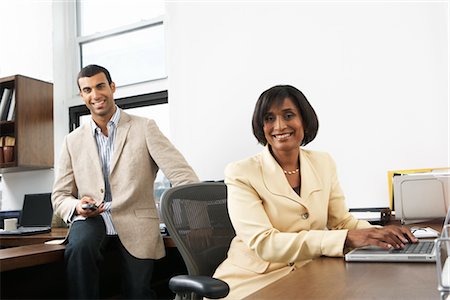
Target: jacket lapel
[(90, 147), (121, 136), (276, 182), (274, 178), (310, 180)]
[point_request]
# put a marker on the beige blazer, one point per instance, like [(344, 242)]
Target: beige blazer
[(140, 149), (275, 227)]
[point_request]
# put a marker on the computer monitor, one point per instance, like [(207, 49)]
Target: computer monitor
[(421, 196)]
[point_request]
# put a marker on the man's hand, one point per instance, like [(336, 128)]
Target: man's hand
[(88, 212)]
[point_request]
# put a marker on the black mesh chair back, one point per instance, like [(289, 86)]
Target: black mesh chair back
[(196, 217)]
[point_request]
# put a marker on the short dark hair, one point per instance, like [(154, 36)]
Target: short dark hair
[(91, 70), (277, 94)]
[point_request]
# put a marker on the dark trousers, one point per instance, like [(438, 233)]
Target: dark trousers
[(84, 255)]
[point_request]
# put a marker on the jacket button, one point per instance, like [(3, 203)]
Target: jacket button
[(291, 264), (305, 216), (101, 191)]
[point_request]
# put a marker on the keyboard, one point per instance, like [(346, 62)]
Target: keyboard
[(425, 247)]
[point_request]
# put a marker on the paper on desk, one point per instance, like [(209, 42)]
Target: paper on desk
[(54, 242), (366, 215)]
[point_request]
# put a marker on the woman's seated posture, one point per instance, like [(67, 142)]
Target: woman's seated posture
[(286, 204)]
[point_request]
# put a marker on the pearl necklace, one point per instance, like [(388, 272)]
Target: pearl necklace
[(291, 172)]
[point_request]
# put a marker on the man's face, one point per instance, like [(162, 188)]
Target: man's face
[(98, 95)]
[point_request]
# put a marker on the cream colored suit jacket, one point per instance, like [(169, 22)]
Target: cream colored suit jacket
[(140, 149), (276, 228)]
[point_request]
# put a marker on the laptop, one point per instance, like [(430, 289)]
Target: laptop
[(423, 251), (36, 216)]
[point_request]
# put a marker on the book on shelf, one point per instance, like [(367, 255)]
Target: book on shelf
[(12, 106), (9, 141), (4, 104)]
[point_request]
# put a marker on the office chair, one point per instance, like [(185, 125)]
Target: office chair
[(196, 218)]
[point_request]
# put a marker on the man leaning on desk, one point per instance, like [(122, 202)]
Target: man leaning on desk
[(111, 163)]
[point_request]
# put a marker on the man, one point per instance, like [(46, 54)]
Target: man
[(111, 164)]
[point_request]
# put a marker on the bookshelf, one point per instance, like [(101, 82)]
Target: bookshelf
[(30, 125)]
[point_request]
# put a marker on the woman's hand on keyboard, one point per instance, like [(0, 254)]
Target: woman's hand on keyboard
[(385, 237)]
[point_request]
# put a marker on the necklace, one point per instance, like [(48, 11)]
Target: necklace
[(291, 172)]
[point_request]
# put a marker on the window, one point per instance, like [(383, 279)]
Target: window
[(103, 15), (141, 105), (126, 37)]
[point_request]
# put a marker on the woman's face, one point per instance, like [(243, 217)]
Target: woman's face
[(283, 126)]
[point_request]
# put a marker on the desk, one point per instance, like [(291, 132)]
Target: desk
[(28, 260), (333, 278), (30, 255), (30, 250), (7, 241)]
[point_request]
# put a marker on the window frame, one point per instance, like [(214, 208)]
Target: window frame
[(75, 112), (118, 30), (150, 92)]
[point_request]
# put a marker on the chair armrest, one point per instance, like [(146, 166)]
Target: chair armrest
[(203, 286)]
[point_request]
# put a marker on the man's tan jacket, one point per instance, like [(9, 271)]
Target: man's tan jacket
[(140, 150)]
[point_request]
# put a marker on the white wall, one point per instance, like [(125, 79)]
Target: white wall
[(26, 48), (376, 73), (26, 38)]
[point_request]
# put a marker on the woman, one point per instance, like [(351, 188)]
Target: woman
[(285, 203)]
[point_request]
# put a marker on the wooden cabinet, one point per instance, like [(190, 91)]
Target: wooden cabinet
[(32, 125)]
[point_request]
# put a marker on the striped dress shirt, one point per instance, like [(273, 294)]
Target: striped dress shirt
[(105, 146)]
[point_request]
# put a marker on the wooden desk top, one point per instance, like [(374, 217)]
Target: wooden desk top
[(30, 255), (29, 250), (333, 278), (7, 241)]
